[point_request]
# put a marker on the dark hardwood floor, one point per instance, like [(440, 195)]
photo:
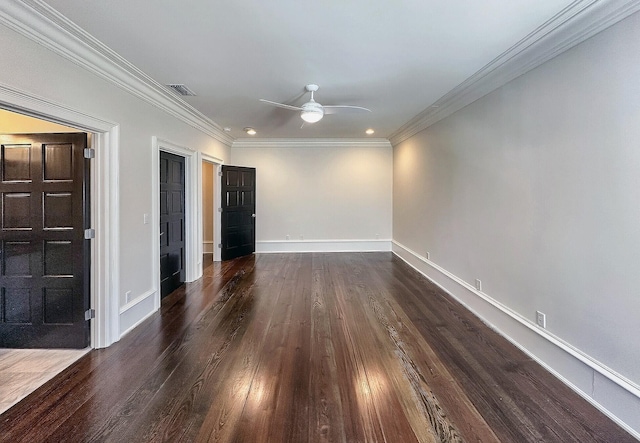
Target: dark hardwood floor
[(308, 348)]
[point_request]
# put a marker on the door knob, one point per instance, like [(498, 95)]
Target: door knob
[(253, 215)]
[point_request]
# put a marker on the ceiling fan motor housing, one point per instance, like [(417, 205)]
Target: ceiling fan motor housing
[(313, 107)]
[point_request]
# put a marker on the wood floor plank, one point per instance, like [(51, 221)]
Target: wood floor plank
[(355, 387), (326, 423), (267, 413), (323, 347), (434, 384), (387, 386), (109, 373), (223, 421), (480, 360), (161, 407)]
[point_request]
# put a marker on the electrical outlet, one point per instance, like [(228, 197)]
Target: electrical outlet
[(145, 219), (541, 319), (478, 284), (428, 256), (127, 296)]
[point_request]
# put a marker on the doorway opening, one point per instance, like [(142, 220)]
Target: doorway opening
[(192, 221), (21, 114), (211, 168), (208, 212), (104, 208)]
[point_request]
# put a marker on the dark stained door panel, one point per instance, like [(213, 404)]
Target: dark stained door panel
[(172, 218), (44, 263), (238, 225)]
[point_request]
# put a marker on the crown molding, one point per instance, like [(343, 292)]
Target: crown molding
[(310, 143), (579, 21), (41, 23)]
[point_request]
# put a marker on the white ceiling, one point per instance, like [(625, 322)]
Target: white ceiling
[(396, 57)]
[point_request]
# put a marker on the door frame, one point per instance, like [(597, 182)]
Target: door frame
[(104, 205), (192, 209), (217, 204)]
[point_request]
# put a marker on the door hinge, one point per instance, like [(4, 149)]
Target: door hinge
[(219, 209), (220, 245), (89, 234), (219, 173), (89, 314), (89, 153)]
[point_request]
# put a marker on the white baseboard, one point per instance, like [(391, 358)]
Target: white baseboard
[(268, 246), (613, 394), (136, 311), (207, 247)]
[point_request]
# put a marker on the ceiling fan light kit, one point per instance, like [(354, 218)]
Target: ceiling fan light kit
[(311, 116), (312, 111)]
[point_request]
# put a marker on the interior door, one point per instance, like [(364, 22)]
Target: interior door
[(172, 222), (238, 221), (44, 263)]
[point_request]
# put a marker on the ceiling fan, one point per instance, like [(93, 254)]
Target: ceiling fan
[(312, 111)]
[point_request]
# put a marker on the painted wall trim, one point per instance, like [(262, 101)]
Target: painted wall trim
[(310, 142), (140, 298), (269, 246), (519, 330), (138, 312), (41, 23), (579, 21)]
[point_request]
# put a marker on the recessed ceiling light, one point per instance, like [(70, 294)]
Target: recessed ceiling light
[(250, 131), (369, 131), (227, 129)]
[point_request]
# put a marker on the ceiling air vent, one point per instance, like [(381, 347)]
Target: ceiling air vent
[(182, 89)]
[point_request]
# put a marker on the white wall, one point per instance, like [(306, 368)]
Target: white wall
[(40, 72), (535, 190), (333, 197)]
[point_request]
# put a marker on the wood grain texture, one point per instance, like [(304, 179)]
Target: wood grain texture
[(22, 371), (308, 348)]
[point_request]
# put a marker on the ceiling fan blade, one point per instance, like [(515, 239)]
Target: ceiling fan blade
[(281, 105), (343, 109)]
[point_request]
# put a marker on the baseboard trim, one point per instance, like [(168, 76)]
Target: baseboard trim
[(207, 247), (137, 311), (274, 246), (613, 394), (140, 298)]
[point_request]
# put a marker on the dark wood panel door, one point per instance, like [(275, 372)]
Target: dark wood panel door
[(238, 224), (44, 264), (172, 222)]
